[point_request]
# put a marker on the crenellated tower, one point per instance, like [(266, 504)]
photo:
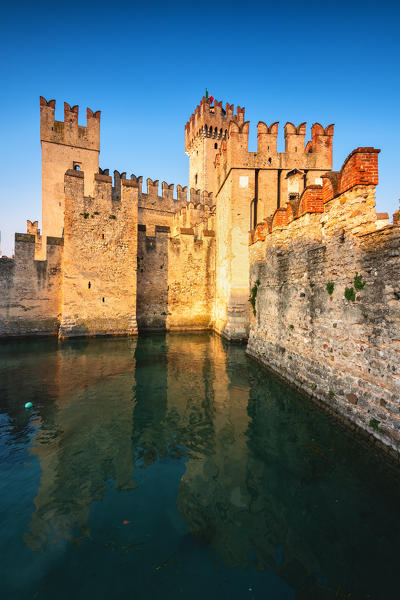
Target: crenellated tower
[(65, 145), (204, 133), (248, 187)]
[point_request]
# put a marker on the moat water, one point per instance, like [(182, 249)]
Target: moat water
[(173, 466)]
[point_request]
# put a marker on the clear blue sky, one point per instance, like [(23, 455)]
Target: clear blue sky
[(146, 67)]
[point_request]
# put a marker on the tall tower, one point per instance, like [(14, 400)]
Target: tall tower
[(65, 145), (204, 133)]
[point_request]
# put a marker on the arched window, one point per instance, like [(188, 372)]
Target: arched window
[(215, 145)]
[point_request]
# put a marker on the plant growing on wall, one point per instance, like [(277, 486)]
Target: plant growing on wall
[(253, 296), (359, 283), (374, 423), (350, 294), (330, 286), (112, 217), (84, 215)]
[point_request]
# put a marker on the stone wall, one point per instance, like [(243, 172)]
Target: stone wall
[(315, 322), (232, 256), (100, 258), (30, 298), (176, 279), (152, 278), (191, 280)]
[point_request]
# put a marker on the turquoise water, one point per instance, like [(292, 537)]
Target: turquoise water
[(173, 466)]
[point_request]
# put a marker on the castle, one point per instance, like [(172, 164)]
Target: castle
[(304, 242)]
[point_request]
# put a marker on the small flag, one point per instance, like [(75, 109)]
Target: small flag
[(210, 98)]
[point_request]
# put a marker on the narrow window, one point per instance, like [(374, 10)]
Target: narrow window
[(269, 161), (102, 299), (216, 145), (89, 285), (102, 235), (253, 213), (195, 179)]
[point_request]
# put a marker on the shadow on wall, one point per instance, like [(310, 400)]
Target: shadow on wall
[(152, 279)]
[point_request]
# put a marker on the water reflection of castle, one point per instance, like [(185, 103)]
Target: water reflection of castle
[(87, 441), (255, 485)]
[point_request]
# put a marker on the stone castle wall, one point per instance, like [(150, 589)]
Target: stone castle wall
[(152, 279), (176, 270), (100, 258), (30, 297), (340, 346)]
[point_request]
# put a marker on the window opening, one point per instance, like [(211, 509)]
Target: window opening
[(89, 285), (253, 214)]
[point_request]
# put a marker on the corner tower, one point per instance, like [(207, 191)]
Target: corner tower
[(204, 133), (65, 145)]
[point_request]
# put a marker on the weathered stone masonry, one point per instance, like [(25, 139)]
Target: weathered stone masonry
[(30, 289), (344, 352)]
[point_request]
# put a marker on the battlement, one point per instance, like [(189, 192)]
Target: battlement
[(69, 132), (315, 154), (199, 210), (110, 199), (209, 121), (26, 247), (359, 169), (152, 200)]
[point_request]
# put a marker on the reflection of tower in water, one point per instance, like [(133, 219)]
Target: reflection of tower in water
[(172, 409), (213, 489), (78, 452)]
